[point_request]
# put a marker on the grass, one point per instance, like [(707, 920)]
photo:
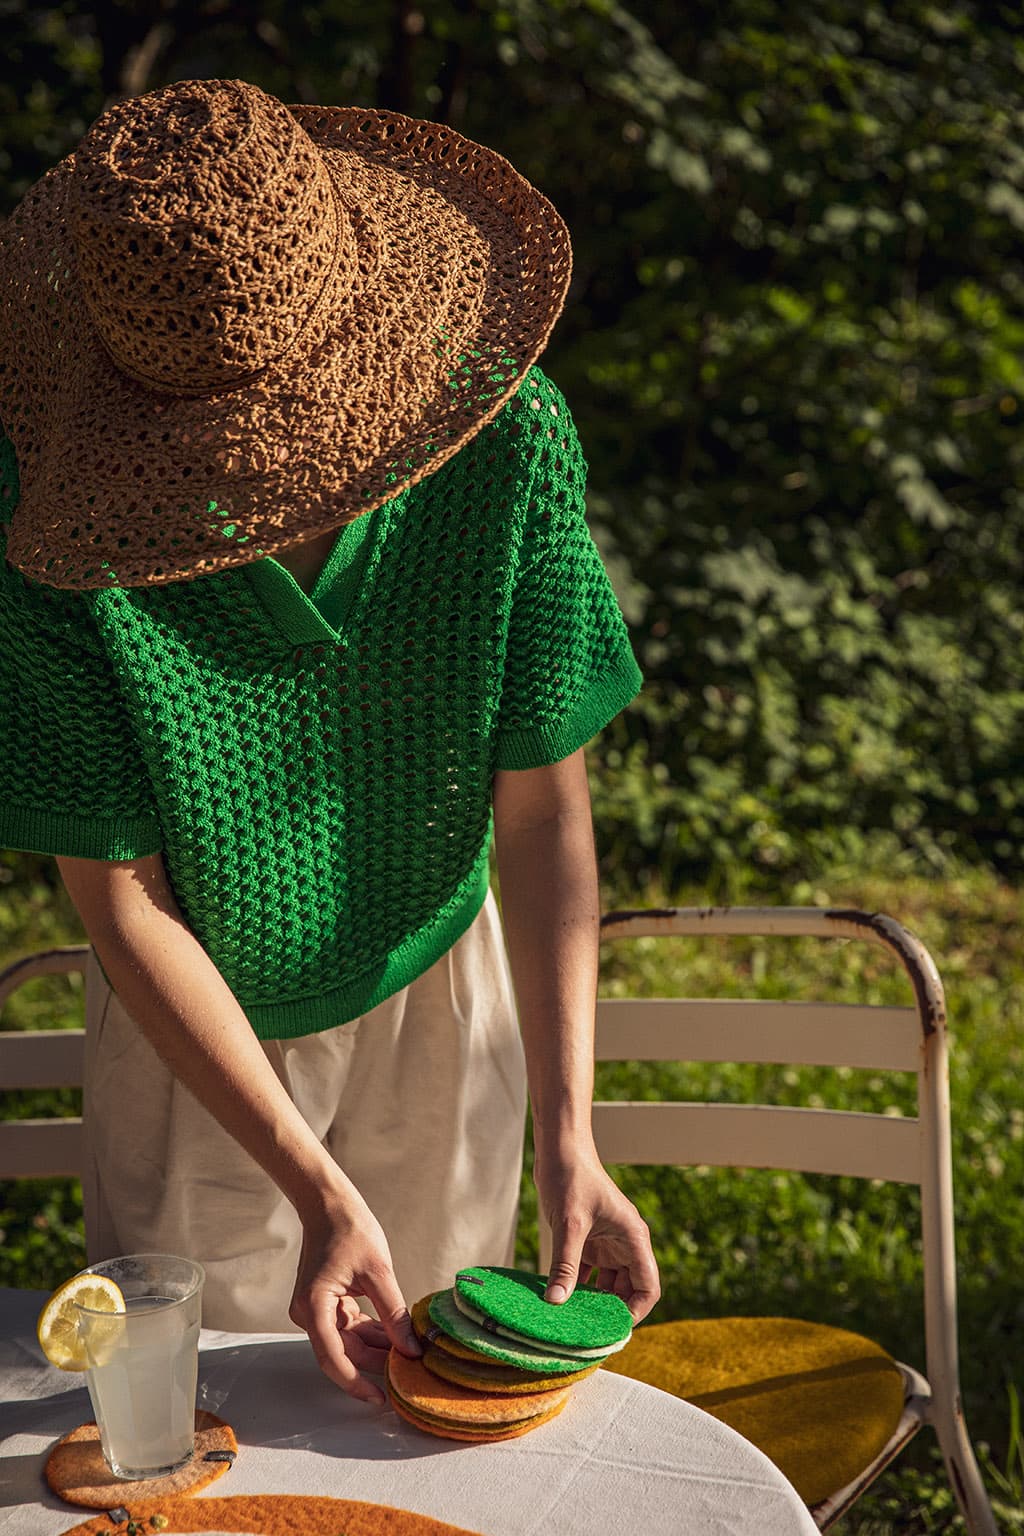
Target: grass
[(833, 1250)]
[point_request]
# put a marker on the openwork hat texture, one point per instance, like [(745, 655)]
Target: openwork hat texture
[(227, 325)]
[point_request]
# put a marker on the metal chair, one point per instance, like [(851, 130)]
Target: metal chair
[(914, 1150), (50, 1058)]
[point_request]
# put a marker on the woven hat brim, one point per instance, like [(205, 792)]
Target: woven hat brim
[(463, 268)]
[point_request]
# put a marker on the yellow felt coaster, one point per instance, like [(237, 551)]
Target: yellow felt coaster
[(425, 1328), (269, 1514), (820, 1402), (76, 1471), (429, 1396)]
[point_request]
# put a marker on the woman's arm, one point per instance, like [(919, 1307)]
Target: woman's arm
[(186, 1010), (550, 908)]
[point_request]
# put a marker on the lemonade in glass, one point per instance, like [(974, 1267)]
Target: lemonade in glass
[(142, 1363)]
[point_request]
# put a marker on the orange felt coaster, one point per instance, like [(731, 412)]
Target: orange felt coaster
[(446, 1401), (452, 1431), (270, 1514), (76, 1471), (491, 1376)]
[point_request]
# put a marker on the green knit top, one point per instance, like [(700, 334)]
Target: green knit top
[(316, 770)]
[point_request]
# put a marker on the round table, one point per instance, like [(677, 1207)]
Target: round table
[(621, 1458)]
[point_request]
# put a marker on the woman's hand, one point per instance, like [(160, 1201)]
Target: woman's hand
[(344, 1256), (594, 1226)]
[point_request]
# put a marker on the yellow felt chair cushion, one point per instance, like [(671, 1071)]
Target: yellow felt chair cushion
[(820, 1402)]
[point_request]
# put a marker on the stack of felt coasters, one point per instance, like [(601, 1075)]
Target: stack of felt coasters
[(498, 1360)]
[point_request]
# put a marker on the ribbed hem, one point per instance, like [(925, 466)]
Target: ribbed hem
[(309, 1015), (75, 837), (538, 747)]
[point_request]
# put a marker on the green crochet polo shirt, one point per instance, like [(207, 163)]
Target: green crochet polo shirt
[(316, 770)]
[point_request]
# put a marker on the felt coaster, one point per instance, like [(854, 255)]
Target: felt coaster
[(511, 1301), (269, 1514), (457, 1326), (453, 1361), (492, 1376), (490, 1326), (431, 1332), (448, 1410), (76, 1471), (447, 1402), (471, 1436)]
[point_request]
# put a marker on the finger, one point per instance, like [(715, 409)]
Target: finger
[(565, 1267), (607, 1280), (368, 1330), (368, 1348), (328, 1345), (643, 1289), (367, 1344), (390, 1307)]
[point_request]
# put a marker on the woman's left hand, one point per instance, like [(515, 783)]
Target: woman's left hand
[(594, 1226)]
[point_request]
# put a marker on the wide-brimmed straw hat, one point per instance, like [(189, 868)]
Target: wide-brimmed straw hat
[(227, 325)]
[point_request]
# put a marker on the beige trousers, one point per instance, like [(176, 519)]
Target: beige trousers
[(422, 1102)]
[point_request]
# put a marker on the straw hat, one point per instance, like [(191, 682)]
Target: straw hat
[(227, 325)]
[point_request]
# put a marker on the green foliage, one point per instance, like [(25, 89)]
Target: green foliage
[(42, 1240), (814, 473), (794, 345)]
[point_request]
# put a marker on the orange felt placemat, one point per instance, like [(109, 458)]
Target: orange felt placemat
[(269, 1514)]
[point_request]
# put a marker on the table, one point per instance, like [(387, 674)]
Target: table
[(621, 1458)]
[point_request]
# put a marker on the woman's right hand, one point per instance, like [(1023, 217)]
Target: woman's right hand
[(345, 1256)]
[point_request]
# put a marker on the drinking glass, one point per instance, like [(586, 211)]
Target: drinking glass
[(143, 1363)]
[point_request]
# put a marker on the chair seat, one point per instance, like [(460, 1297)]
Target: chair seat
[(821, 1402)]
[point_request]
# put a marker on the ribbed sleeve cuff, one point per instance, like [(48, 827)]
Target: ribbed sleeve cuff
[(78, 837), (546, 744)]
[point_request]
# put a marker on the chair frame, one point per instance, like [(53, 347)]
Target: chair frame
[(904, 1149)]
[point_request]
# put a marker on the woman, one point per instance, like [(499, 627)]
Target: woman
[(299, 602)]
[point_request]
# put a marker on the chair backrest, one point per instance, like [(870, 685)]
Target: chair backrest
[(912, 1039), (50, 1058)]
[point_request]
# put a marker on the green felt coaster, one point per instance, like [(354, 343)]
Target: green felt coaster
[(499, 1330), (511, 1301), (461, 1328)]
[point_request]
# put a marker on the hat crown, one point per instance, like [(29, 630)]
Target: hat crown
[(206, 233)]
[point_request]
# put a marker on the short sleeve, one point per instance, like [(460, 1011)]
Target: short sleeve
[(569, 666), (73, 784)]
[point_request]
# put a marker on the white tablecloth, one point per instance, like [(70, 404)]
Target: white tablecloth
[(622, 1459)]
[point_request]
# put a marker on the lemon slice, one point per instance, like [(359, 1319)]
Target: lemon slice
[(57, 1328)]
